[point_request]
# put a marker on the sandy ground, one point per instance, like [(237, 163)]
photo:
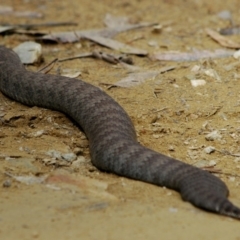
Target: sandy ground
[(77, 201)]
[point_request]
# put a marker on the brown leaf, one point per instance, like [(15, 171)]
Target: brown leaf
[(6, 28), (113, 44), (223, 41)]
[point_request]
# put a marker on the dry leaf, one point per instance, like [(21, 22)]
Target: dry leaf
[(74, 36), (134, 79), (113, 44), (5, 28), (223, 41), (191, 56), (72, 74)]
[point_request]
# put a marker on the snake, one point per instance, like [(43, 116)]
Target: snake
[(113, 144)]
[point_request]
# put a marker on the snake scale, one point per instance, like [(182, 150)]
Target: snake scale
[(111, 134)]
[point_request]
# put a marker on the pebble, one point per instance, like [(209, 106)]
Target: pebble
[(54, 154), (209, 149), (29, 52), (214, 135), (198, 82), (173, 210), (171, 148), (38, 133), (7, 183), (212, 163), (225, 14), (232, 179), (78, 151), (236, 55), (69, 157), (77, 163), (156, 136)]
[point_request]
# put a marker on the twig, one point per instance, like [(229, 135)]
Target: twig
[(83, 55), (48, 24), (215, 111), (159, 110), (48, 67), (219, 171), (225, 152), (108, 57)]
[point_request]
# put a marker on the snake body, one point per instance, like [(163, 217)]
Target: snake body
[(111, 134)]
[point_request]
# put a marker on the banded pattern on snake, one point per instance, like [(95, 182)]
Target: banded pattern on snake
[(111, 134)]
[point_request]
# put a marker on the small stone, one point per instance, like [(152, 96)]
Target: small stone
[(212, 163), (236, 55), (156, 136), (78, 151), (84, 143), (29, 52), (7, 183), (35, 234), (237, 159), (153, 43), (171, 148), (209, 149), (54, 154), (214, 135), (232, 179), (69, 157), (225, 14), (77, 163), (157, 28), (173, 210), (196, 68), (38, 133), (201, 163), (198, 82)]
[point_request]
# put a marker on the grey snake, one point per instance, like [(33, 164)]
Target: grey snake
[(111, 134)]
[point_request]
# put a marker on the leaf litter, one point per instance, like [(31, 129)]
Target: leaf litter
[(139, 69), (116, 25)]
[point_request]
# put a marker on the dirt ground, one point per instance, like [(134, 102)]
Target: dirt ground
[(74, 200)]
